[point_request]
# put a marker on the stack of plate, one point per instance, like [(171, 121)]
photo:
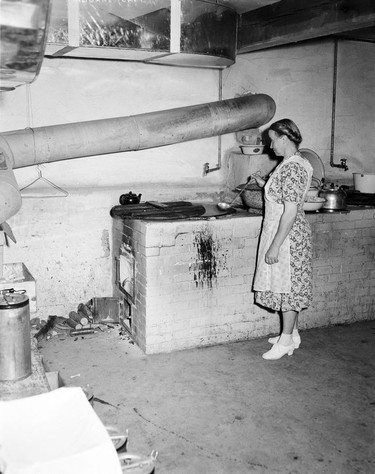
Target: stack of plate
[(316, 163), (313, 203)]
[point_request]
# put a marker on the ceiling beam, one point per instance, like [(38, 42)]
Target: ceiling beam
[(291, 21)]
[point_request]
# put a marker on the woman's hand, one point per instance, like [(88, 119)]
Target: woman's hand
[(272, 255), (260, 181)]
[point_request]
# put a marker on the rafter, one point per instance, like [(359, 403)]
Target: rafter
[(294, 20)]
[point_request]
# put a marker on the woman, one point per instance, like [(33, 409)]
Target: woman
[(283, 278)]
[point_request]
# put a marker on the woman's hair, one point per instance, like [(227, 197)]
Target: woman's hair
[(289, 128)]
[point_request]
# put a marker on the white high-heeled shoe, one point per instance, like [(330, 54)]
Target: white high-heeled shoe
[(278, 351), (296, 340)]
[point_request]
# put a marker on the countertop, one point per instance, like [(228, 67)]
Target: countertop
[(242, 212)]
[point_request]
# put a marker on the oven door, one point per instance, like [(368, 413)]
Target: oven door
[(125, 274)]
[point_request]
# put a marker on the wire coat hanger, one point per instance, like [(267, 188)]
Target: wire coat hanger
[(40, 177)]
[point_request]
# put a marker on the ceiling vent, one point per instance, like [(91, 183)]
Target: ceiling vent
[(191, 33)]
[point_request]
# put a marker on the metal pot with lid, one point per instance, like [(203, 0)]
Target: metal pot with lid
[(335, 197), (15, 338)]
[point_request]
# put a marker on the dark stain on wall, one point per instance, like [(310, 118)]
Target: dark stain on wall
[(205, 270)]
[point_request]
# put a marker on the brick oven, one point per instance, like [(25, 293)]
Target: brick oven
[(186, 283)]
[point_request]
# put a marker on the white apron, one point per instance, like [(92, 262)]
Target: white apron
[(276, 277)]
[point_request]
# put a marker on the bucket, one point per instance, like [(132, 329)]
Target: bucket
[(15, 340), (364, 182)]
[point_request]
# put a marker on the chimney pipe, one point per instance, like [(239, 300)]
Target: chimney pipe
[(29, 146)]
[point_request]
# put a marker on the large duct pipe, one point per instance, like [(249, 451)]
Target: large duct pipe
[(75, 140), (10, 197)]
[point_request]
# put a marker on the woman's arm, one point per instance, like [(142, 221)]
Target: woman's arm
[(286, 223), (260, 181)]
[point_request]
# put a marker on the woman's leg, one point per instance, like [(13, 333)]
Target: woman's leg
[(296, 323), (289, 320)]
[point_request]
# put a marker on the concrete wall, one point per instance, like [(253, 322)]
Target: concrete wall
[(60, 239), (300, 79), (69, 90), (355, 106)]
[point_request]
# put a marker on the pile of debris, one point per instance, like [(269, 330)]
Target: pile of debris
[(99, 314)]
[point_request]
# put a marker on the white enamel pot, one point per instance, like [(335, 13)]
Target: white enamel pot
[(364, 182)]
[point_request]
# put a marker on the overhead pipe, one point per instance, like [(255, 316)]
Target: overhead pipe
[(206, 166), (342, 164), (33, 146), (10, 197)]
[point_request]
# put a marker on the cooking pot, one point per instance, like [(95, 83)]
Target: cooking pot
[(252, 197), (15, 341), (130, 198), (364, 182), (335, 197)]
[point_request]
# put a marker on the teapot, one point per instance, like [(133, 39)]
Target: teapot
[(335, 197), (130, 198)]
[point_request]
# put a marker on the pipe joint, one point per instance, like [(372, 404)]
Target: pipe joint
[(207, 169), (342, 164)]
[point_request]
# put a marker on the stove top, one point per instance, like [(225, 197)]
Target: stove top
[(330, 211), (152, 210), (356, 198)]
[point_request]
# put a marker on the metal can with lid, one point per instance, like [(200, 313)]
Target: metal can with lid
[(15, 338)]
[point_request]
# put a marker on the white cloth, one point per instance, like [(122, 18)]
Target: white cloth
[(55, 433), (276, 277)]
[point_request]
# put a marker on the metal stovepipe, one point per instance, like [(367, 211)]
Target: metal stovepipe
[(32, 146)]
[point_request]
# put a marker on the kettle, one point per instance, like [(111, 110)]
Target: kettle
[(335, 197), (130, 198)]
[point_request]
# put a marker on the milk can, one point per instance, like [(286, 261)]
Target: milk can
[(15, 341)]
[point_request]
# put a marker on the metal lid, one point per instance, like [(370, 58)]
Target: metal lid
[(13, 299)]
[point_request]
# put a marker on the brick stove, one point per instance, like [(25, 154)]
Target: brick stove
[(187, 283)]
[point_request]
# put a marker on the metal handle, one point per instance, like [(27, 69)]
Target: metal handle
[(237, 195)]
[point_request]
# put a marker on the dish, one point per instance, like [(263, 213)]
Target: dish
[(313, 203), (315, 162), (252, 149)]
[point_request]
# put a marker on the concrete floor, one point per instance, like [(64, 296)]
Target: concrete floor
[(223, 409)]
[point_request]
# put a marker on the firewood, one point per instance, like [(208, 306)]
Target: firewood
[(83, 319), (73, 324), (85, 310)]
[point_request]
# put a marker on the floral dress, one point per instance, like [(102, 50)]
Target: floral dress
[(286, 285)]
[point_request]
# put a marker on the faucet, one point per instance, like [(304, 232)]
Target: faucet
[(206, 169), (342, 164)]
